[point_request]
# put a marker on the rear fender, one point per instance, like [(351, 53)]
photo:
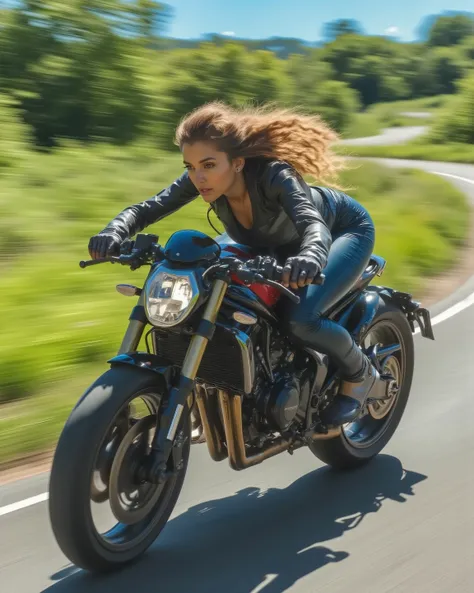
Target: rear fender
[(410, 308), (148, 363)]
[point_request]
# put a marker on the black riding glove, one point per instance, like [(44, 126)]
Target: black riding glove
[(104, 245), (300, 271)]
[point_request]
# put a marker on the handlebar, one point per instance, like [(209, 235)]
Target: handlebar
[(272, 276), (148, 251), (145, 250)]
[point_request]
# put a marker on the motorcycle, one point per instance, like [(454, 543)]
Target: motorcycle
[(217, 369)]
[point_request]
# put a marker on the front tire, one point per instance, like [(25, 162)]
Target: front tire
[(75, 461), (359, 443)]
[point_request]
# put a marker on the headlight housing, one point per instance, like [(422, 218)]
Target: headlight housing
[(170, 296)]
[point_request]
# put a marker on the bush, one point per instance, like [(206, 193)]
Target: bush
[(456, 123)]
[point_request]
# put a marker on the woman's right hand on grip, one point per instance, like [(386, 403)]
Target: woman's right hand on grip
[(104, 245)]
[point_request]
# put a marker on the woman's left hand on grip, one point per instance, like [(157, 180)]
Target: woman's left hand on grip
[(300, 271)]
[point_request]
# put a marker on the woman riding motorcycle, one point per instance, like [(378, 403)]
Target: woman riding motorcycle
[(248, 163)]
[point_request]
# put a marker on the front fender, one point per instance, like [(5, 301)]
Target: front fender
[(147, 363)]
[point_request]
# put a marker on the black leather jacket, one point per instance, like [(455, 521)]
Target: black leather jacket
[(289, 217)]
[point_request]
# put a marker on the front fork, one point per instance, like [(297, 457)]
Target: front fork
[(156, 469), (136, 326)]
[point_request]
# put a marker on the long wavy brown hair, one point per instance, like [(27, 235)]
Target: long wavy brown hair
[(301, 140)]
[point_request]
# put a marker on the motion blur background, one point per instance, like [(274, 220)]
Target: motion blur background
[(90, 94)]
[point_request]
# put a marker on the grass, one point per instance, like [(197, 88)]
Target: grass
[(392, 114), (363, 124), (389, 115), (60, 323)]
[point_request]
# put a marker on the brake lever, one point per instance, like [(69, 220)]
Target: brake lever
[(291, 295), (260, 279)]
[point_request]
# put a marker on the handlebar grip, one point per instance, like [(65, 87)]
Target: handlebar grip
[(90, 262), (100, 260), (319, 279)]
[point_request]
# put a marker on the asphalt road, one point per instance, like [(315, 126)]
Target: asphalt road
[(388, 137), (417, 114), (403, 524)]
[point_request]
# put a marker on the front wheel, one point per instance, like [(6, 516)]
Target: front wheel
[(363, 439), (102, 444)]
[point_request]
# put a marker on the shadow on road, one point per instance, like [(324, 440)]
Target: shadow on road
[(256, 541)]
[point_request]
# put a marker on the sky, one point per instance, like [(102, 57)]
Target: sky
[(257, 19)]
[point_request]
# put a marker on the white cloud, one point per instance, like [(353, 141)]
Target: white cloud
[(228, 34), (391, 30)]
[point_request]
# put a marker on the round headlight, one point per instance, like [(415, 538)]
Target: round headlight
[(170, 297)]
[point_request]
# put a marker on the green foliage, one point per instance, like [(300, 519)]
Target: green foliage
[(448, 30), (101, 70), (337, 104), (339, 27), (467, 51), (391, 114), (446, 67), (456, 122), (14, 135), (362, 125), (374, 66)]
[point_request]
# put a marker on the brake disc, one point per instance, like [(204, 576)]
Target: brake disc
[(130, 500)]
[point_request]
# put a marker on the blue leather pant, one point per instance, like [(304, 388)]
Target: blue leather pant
[(348, 257)]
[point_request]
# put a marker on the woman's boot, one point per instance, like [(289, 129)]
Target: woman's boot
[(351, 397)]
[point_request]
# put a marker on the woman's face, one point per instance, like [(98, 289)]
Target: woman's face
[(210, 170)]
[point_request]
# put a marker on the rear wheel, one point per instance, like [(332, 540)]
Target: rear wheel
[(95, 467), (363, 439)]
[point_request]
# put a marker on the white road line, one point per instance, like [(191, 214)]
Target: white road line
[(454, 310), (28, 502), (455, 177)]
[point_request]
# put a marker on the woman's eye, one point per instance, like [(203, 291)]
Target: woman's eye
[(209, 165)]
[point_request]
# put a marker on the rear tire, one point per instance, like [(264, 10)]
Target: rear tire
[(74, 462), (343, 454)]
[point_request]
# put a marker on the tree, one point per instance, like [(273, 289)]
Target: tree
[(450, 29), (445, 64), (146, 19), (339, 27), (73, 74), (304, 75), (374, 66)]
